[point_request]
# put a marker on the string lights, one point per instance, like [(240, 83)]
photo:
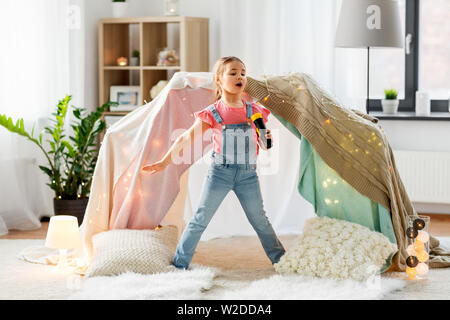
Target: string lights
[(336, 113), (418, 257)]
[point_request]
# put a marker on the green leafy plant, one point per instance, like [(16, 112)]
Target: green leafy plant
[(135, 54), (390, 94), (70, 165)]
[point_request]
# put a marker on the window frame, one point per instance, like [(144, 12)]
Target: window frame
[(412, 21)]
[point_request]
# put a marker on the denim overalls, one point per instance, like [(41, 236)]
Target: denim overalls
[(233, 169)]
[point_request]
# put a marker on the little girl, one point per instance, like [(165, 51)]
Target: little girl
[(236, 146)]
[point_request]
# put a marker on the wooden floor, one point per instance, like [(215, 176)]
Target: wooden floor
[(439, 226)]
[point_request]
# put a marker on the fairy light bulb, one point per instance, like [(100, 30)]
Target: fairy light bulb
[(411, 250), (423, 256), (419, 246), (412, 261), (423, 236), (419, 224), (411, 233), (411, 272), (422, 269)]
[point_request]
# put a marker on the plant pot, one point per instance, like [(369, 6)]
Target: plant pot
[(390, 106), (75, 208), (119, 9), (134, 61)]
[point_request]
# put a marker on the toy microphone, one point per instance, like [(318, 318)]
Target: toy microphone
[(261, 129)]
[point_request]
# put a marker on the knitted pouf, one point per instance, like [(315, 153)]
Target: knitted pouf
[(332, 248), (139, 251)]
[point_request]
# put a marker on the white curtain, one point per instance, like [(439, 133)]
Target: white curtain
[(276, 37), (41, 60)]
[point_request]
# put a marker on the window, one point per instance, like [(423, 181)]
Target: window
[(427, 65), (434, 48)]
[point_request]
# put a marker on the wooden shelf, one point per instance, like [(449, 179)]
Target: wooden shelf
[(161, 67), (115, 113), (121, 68), (118, 37), (141, 68)]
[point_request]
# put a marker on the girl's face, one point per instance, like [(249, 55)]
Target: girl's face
[(233, 79)]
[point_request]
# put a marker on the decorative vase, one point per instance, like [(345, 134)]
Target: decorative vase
[(75, 208), (423, 103), (390, 106), (170, 7), (119, 9)]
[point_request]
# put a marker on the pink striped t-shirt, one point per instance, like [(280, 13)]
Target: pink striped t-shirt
[(230, 115)]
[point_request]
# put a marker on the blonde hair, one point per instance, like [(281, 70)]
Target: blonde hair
[(219, 68)]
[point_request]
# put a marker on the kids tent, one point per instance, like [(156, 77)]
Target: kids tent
[(339, 181)]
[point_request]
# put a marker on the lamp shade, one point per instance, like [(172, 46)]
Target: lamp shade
[(63, 233), (369, 23)]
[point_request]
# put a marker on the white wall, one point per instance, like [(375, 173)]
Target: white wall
[(418, 135), (97, 9), (402, 135)]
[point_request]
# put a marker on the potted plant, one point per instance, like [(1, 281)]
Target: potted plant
[(390, 103), (135, 58), (70, 164), (119, 8)]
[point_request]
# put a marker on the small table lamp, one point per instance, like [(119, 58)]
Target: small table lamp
[(369, 23), (63, 234)]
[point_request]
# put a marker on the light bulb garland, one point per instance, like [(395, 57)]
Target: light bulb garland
[(418, 255), (321, 97)]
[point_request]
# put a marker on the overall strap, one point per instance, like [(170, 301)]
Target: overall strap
[(249, 110), (215, 113)]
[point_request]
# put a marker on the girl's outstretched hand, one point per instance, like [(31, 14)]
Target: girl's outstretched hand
[(155, 167)]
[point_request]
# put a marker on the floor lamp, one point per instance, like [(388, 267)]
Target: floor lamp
[(369, 23)]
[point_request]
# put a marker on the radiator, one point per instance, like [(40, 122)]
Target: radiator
[(425, 174)]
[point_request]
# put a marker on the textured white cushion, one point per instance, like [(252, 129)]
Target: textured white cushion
[(139, 251), (332, 248)]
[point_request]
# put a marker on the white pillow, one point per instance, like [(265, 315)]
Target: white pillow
[(140, 251), (332, 248)]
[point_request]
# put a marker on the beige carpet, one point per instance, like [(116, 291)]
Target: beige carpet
[(241, 260)]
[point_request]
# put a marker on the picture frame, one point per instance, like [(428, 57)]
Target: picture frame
[(128, 97), (111, 119)]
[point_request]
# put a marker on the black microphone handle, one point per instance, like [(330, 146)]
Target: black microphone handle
[(259, 123)]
